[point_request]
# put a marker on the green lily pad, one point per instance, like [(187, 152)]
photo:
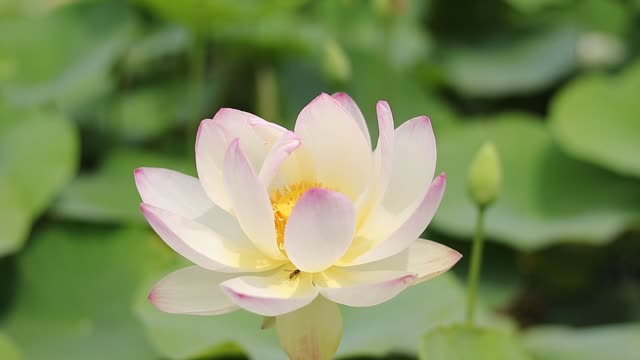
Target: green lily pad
[(8, 348), (75, 294), (515, 65), (38, 156), (546, 197), (461, 342), (109, 195), (405, 318), (619, 342), (81, 43), (596, 119)]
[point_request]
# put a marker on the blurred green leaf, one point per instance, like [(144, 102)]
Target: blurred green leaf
[(109, 195), (404, 318), (8, 348), (461, 342), (156, 45), (80, 43), (38, 156), (546, 197), (76, 290), (512, 64), (619, 342), (596, 119)]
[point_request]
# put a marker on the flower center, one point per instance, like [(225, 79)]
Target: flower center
[(283, 200)]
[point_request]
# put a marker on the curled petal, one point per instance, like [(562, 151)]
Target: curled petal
[(340, 154), (319, 230), (410, 230), (272, 295), (172, 190), (204, 246), (280, 151), (311, 333), (192, 290), (362, 288), (352, 109), (250, 201)]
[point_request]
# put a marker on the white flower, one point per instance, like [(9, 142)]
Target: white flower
[(278, 218)]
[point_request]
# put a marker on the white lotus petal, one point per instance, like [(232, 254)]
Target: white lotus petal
[(192, 290), (311, 333), (352, 108), (413, 165), (341, 155), (410, 230), (319, 230), (361, 288), (272, 295), (204, 246), (280, 151), (172, 190), (250, 201)]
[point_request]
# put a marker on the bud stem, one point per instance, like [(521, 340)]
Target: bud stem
[(475, 266)]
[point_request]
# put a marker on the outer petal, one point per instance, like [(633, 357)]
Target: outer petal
[(362, 288), (352, 108), (280, 151), (271, 295), (410, 230), (171, 190), (414, 161), (192, 290), (319, 230), (204, 246), (425, 258), (311, 333), (250, 201), (215, 135), (341, 155)]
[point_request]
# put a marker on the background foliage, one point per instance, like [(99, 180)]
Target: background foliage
[(91, 89)]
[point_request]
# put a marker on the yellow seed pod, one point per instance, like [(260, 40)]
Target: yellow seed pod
[(485, 176)]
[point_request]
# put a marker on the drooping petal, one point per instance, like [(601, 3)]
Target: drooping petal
[(172, 190), (271, 295), (413, 165), (204, 246), (311, 333), (341, 155), (352, 108), (192, 290), (362, 288), (319, 230), (250, 201), (214, 136), (409, 231), (280, 151), (425, 258)]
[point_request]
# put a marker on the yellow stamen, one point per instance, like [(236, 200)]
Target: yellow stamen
[(283, 200)]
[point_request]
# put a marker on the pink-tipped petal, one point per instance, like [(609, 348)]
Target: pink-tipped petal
[(319, 230), (413, 164), (340, 154), (411, 229), (250, 201), (280, 151), (425, 258), (171, 190), (311, 333), (204, 246), (194, 291), (352, 108), (214, 136), (272, 295), (362, 288)]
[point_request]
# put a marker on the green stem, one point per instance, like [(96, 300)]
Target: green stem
[(476, 265)]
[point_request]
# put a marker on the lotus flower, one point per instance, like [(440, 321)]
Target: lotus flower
[(279, 218)]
